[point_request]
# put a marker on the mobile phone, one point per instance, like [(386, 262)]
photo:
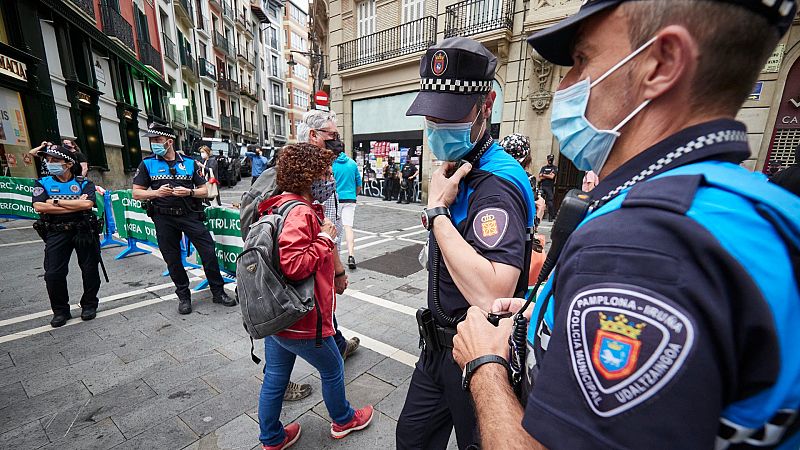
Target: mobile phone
[(455, 167), (494, 318)]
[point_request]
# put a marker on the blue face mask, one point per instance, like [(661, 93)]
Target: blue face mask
[(580, 141), (451, 141), (158, 149), (56, 168)]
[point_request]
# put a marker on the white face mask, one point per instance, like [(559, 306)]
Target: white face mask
[(580, 141)]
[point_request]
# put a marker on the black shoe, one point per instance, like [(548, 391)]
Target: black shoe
[(184, 306), (60, 319), (224, 299), (351, 263), (88, 313)]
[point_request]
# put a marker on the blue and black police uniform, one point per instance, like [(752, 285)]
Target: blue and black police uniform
[(493, 212), (174, 216), (65, 233), (671, 319)]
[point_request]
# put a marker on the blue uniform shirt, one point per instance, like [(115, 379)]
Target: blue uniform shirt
[(50, 187), (654, 329), (259, 163), (493, 208), (155, 171)]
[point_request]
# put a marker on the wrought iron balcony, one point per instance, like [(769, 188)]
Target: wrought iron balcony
[(179, 119), (411, 37), (86, 6), (225, 122), (207, 69), (472, 17), (184, 9), (227, 11), (187, 61), (116, 26), (236, 123), (229, 86), (150, 56), (221, 43), (169, 49)]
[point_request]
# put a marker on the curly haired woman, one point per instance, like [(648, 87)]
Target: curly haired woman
[(306, 246)]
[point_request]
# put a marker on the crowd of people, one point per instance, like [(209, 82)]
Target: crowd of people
[(657, 327)]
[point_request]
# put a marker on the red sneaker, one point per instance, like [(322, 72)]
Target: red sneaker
[(292, 435), (361, 420)]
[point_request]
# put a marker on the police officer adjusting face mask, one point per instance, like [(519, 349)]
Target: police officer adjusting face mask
[(455, 76)]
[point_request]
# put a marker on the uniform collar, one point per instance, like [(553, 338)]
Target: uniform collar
[(734, 151), (178, 158)]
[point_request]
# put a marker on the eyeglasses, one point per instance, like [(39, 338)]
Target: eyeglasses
[(332, 134)]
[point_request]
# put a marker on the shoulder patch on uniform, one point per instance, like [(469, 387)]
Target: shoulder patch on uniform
[(626, 343), (490, 226), (74, 188), (38, 190)]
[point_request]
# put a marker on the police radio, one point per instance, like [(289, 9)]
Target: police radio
[(573, 210)]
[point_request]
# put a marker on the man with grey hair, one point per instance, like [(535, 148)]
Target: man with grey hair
[(660, 327), (319, 128)]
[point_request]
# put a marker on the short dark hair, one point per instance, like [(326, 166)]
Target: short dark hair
[(301, 164), (734, 45)]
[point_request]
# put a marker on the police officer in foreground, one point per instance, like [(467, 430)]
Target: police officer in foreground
[(671, 318), (64, 202), (479, 217), (174, 187)]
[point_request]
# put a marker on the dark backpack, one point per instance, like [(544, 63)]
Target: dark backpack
[(265, 187), (270, 303)]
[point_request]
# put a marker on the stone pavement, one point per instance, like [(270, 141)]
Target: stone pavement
[(141, 376)]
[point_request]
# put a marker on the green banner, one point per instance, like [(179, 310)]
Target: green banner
[(223, 223), (16, 198), (131, 218)]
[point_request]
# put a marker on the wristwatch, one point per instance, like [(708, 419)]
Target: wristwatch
[(473, 365), (55, 202), (428, 214)]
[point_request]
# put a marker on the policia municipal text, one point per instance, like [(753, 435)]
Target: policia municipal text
[(172, 185), (670, 320)]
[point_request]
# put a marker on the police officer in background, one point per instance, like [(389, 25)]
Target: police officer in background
[(174, 187), (547, 184), (479, 216), (670, 321), (408, 174), (391, 184), (64, 202)]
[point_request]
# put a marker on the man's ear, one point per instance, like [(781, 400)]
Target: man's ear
[(489, 104)]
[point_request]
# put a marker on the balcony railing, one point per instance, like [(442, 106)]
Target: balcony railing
[(472, 17), (227, 11), (86, 6), (225, 122), (116, 26), (236, 123), (207, 69), (228, 85), (405, 39), (188, 11), (248, 127), (150, 56), (169, 49), (221, 43), (179, 119), (203, 24), (187, 61)]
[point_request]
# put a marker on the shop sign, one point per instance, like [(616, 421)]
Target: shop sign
[(13, 130), (774, 62), (755, 95), (12, 68)]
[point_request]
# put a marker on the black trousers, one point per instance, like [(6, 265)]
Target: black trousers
[(169, 231), (407, 194), (58, 249), (390, 188), (548, 192), (435, 403)]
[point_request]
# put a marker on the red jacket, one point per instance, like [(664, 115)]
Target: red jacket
[(303, 252)]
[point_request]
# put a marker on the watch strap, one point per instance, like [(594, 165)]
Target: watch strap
[(431, 213), (473, 365)]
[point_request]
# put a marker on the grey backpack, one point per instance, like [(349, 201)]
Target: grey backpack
[(265, 187), (270, 303)]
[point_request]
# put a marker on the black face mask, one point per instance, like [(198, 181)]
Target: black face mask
[(335, 145)]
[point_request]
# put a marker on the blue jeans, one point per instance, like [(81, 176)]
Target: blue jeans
[(280, 354), (341, 342)]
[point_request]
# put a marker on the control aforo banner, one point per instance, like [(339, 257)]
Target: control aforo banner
[(16, 198), (223, 223), (131, 218)]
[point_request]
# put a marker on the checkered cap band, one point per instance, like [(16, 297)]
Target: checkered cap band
[(55, 150), (452, 86)]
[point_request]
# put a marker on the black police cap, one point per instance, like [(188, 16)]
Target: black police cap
[(157, 129), (453, 75), (58, 152), (555, 43)]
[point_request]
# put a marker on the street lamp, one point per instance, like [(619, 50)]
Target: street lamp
[(315, 58)]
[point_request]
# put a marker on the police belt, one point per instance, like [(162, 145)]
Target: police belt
[(437, 338), (169, 211), (59, 227)]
